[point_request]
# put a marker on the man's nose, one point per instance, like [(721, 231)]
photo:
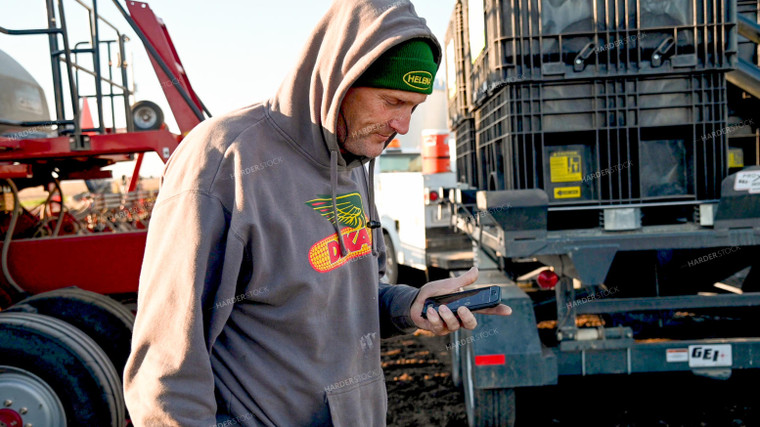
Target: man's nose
[(401, 124)]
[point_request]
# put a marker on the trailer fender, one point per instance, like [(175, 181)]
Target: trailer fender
[(507, 350)]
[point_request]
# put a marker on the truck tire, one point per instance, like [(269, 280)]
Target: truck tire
[(59, 367), (391, 264), (486, 407), (104, 320), (456, 360), (31, 401)]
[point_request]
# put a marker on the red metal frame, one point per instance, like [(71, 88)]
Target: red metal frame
[(158, 36), (136, 173), (20, 150), (107, 262), (10, 171)]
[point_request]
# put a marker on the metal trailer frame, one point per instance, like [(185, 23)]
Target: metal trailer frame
[(517, 357), (504, 353)]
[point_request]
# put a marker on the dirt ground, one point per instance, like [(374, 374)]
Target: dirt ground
[(420, 393)]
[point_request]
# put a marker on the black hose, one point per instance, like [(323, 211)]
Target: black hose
[(9, 237), (154, 54), (60, 215)]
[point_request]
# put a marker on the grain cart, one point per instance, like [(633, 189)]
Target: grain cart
[(64, 331), (608, 159)]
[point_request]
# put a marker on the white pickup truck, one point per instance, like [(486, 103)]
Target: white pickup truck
[(416, 230)]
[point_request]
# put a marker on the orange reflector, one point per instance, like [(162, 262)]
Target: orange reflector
[(490, 359)]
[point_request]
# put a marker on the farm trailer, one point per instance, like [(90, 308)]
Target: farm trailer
[(609, 176)]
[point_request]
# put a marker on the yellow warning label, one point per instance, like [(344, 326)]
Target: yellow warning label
[(565, 166), (735, 158), (567, 192)]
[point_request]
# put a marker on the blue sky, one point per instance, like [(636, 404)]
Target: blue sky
[(235, 52)]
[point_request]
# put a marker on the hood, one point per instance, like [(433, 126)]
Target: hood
[(345, 42)]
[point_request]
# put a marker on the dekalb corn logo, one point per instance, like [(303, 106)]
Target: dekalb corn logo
[(324, 255), (418, 79)]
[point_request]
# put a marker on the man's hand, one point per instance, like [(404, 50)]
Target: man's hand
[(442, 322)]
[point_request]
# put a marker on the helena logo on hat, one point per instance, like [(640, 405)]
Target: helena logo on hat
[(408, 66), (418, 79)]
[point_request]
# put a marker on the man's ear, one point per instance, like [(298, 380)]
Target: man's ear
[(341, 126)]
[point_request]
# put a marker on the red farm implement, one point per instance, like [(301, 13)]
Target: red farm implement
[(68, 270)]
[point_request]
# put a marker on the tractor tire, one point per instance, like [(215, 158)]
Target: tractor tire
[(391, 262), (104, 320), (486, 407), (61, 370)]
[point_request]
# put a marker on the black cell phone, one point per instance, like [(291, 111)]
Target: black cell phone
[(474, 299)]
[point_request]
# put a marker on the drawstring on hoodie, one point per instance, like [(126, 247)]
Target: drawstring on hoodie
[(370, 182), (334, 189), (373, 223)]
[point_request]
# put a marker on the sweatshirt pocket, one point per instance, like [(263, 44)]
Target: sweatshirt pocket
[(361, 404)]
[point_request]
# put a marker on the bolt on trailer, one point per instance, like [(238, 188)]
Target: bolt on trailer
[(69, 271), (609, 178)]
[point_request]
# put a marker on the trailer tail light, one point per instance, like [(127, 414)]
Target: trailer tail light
[(547, 279), (431, 196), (490, 359)]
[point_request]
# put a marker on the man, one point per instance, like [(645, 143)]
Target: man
[(259, 299)]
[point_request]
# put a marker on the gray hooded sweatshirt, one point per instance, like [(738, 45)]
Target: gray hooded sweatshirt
[(259, 301)]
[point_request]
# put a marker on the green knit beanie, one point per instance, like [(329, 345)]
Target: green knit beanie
[(409, 66)]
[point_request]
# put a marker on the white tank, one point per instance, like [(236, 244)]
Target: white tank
[(21, 99)]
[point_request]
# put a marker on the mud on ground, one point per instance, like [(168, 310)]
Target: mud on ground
[(420, 393)]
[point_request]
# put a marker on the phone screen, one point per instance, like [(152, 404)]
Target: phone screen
[(475, 299), (446, 299)]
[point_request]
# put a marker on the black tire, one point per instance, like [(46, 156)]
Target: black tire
[(486, 407), (391, 263), (434, 273), (69, 362), (147, 115), (104, 320), (456, 360)]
